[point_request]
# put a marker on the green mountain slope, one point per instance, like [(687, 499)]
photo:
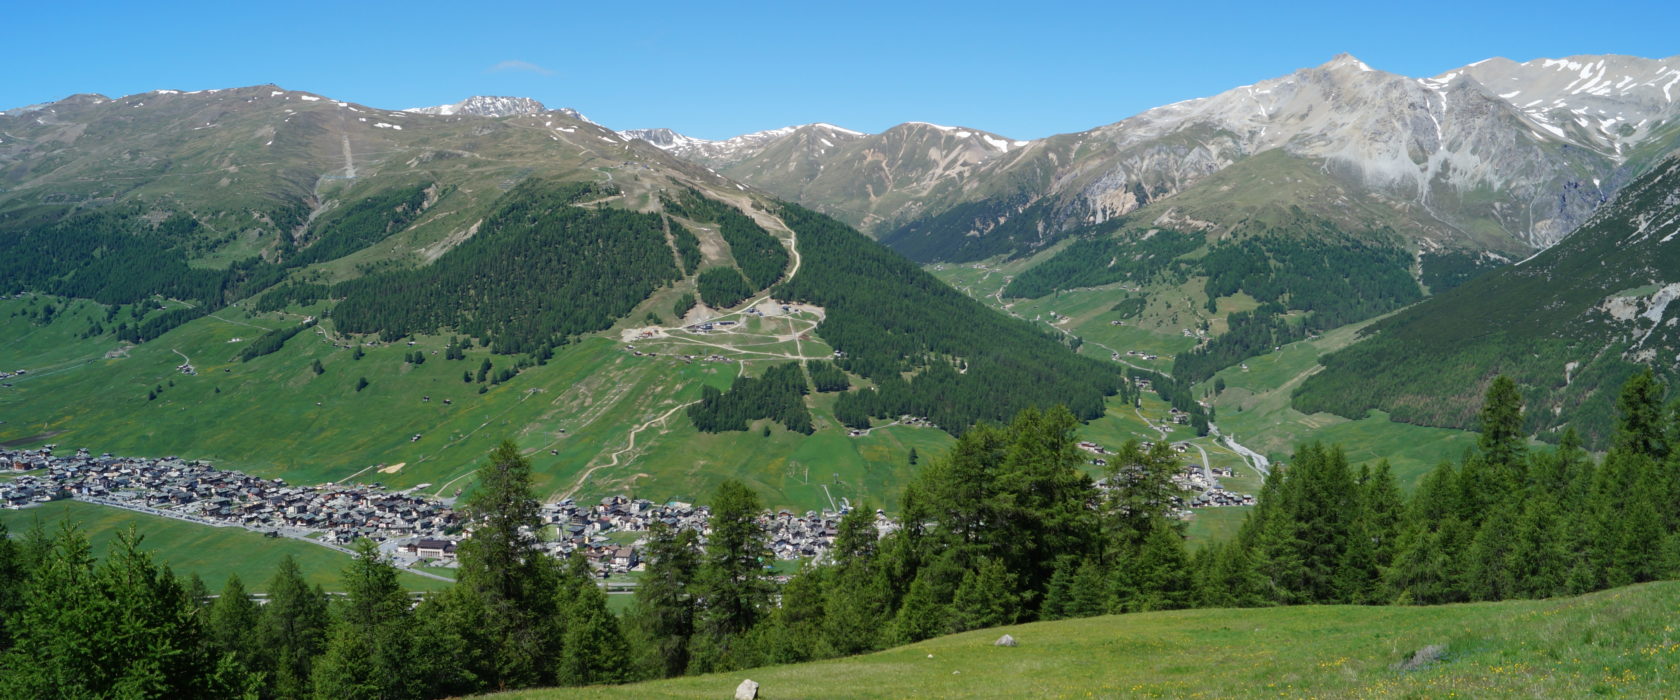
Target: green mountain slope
[(383, 304), (1617, 642), (1569, 325)]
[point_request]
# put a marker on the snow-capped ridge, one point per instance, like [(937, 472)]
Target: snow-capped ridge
[(486, 106)]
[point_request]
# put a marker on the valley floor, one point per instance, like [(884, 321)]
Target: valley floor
[(1617, 642)]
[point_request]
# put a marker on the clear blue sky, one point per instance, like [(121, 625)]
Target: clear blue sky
[(1024, 70)]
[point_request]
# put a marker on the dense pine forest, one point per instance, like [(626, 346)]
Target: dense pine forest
[(362, 223), (539, 271), (778, 395), (1093, 262), (1011, 224), (888, 317), (722, 287), (1006, 527)]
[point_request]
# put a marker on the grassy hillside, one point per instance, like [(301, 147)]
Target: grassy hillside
[(189, 548), (1256, 405), (1618, 642), (1568, 326), (573, 416)]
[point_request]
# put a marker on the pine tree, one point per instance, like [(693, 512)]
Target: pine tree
[(594, 650), (1160, 574), (513, 582), (794, 631), (1537, 562), (987, 597), (370, 652), (1502, 433), (731, 584), (14, 580), (1488, 574), (1639, 416), (925, 612), (232, 623), (293, 629), (661, 619), (122, 628), (1058, 595)]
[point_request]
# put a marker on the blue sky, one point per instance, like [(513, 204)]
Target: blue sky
[(713, 70)]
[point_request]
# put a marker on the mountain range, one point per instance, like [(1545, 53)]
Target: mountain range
[(381, 286), (172, 225), (1496, 156)]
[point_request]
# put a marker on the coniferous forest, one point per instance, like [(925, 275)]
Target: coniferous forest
[(1005, 527), (539, 271), (888, 317), (778, 395)]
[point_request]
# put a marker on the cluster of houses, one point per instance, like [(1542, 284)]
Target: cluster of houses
[(590, 528), (14, 373), (1139, 354), (340, 514), (905, 420), (1200, 485), (193, 490)]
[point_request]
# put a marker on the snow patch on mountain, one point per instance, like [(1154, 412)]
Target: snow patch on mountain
[(485, 106)]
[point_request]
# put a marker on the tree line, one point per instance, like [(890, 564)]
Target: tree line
[(778, 395), (761, 258), (1006, 527), (966, 363), (539, 271)]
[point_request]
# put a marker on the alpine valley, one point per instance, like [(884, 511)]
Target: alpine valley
[(1338, 338)]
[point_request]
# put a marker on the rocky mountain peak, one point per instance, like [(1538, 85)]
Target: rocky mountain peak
[(488, 106)]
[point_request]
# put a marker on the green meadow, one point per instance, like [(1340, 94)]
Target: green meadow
[(212, 553), (1616, 642)]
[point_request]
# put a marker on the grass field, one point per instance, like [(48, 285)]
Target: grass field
[(211, 552), (1255, 408), (577, 417), (1618, 642)]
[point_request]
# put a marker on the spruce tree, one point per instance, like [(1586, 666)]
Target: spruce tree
[(1502, 435), (731, 585), (293, 629), (987, 597), (232, 623), (370, 650), (594, 650), (120, 628), (14, 578), (661, 619), (1639, 416), (501, 565)]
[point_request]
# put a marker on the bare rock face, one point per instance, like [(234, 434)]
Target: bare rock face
[(747, 690), (1005, 641)]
